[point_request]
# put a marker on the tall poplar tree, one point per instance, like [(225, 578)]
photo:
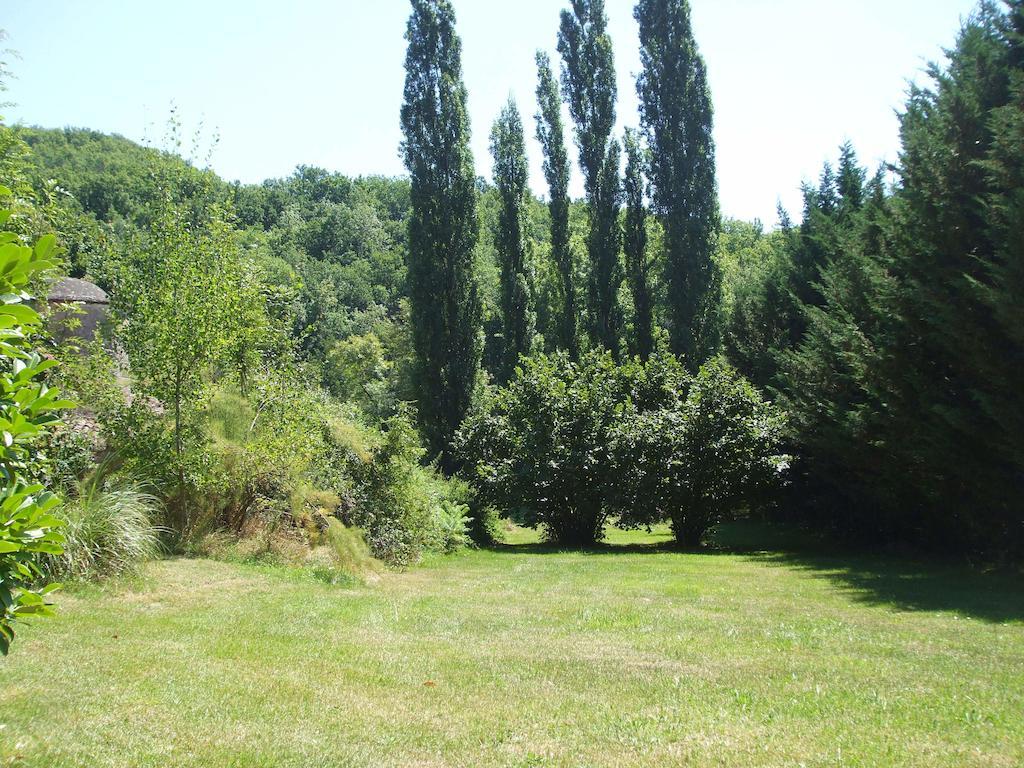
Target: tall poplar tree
[(443, 226), (588, 83), (677, 117), (635, 246), (604, 244), (511, 177), (551, 135)]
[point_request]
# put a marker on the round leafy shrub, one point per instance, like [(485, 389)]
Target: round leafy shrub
[(538, 448), (711, 451)]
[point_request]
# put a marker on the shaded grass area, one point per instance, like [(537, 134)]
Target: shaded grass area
[(632, 654)]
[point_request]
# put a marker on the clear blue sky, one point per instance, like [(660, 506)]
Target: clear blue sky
[(319, 82)]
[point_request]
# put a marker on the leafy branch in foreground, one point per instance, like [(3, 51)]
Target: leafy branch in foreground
[(28, 408)]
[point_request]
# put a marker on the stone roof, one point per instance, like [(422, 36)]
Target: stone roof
[(71, 289)]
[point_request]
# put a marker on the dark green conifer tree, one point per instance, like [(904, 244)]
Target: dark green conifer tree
[(677, 117), (551, 135), (957, 362), (850, 182), (905, 386), (511, 177), (588, 83), (638, 265), (443, 228)]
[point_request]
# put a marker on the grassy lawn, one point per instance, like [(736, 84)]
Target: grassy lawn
[(522, 657)]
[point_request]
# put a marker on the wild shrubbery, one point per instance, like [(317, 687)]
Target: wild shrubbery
[(566, 445), (283, 460), (403, 507), (209, 401)]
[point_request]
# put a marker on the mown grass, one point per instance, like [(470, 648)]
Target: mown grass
[(521, 656)]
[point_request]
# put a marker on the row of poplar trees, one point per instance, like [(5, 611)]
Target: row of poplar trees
[(672, 156)]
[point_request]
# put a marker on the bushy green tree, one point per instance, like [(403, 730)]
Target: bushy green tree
[(711, 452), (566, 445), (443, 227), (538, 448), (183, 301), (677, 117), (551, 135), (511, 177)]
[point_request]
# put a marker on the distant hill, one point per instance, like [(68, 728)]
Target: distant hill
[(109, 175)]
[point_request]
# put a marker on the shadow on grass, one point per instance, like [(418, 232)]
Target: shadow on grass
[(901, 582), (909, 585), (542, 548)]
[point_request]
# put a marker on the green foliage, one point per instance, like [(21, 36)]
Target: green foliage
[(588, 83), (604, 244), (443, 227), (404, 508), (537, 448), (358, 371), (113, 178), (567, 444), (29, 532), (677, 117), (956, 361), (551, 135), (185, 305), (511, 177), (759, 309), (261, 449), (710, 452), (890, 323), (28, 410)]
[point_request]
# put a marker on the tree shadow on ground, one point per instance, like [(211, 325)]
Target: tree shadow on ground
[(898, 581), (544, 548), (914, 585)]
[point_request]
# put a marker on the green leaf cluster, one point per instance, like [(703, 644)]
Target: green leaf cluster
[(28, 408)]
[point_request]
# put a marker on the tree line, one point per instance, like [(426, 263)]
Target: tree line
[(671, 154)]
